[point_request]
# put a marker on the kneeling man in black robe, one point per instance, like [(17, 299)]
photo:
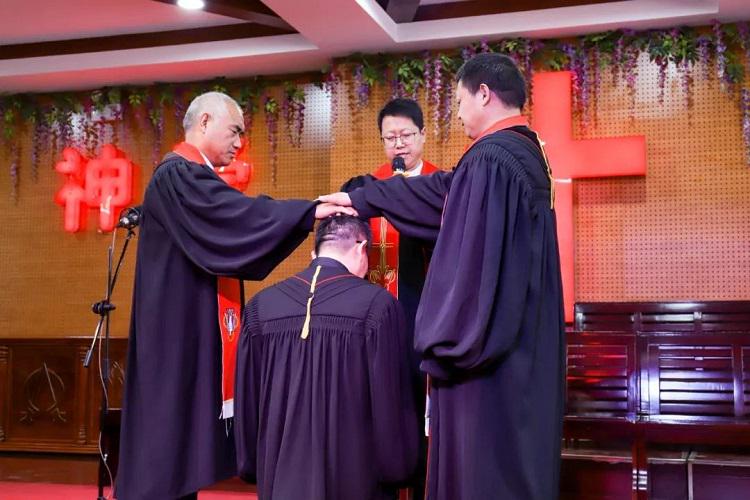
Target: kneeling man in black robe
[(324, 407)]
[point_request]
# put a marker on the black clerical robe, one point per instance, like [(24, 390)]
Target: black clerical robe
[(194, 228), (490, 326), (329, 417)]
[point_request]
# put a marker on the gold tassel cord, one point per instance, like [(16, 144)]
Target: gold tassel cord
[(306, 326), (549, 173)]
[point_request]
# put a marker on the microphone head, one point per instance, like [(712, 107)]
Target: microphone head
[(130, 217), (398, 165)]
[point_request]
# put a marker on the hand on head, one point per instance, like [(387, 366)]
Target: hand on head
[(327, 209), (341, 199)]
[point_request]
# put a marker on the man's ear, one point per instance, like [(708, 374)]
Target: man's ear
[(486, 93), (205, 117), (313, 255)]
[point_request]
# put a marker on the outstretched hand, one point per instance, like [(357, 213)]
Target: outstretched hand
[(341, 199), (325, 210)]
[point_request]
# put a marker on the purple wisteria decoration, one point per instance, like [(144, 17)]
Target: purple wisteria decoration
[(721, 48), (427, 77), (331, 85), (293, 111), (361, 86), (686, 78), (703, 45), (15, 163), (156, 120), (179, 108), (468, 52), (271, 113), (437, 89), (65, 121), (40, 138), (446, 113), (663, 64), (745, 105), (617, 59), (575, 66)]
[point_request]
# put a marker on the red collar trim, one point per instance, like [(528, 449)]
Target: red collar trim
[(512, 121), (189, 152)]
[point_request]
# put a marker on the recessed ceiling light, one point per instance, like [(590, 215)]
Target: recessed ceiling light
[(191, 4)]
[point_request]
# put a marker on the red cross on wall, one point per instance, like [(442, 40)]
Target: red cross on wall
[(570, 159)]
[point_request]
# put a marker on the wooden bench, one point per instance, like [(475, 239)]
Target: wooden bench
[(651, 374)]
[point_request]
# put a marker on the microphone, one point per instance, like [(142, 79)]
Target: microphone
[(130, 217), (398, 165)]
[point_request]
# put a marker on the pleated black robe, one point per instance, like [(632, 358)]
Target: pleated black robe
[(194, 228), (330, 417), (490, 327)]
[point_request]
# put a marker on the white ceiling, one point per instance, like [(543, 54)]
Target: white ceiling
[(327, 29)]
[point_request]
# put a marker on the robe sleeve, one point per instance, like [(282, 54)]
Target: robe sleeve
[(414, 205), (221, 230), (394, 416), (474, 300), (246, 397), (357, 182)]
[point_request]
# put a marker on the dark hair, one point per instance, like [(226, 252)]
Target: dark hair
[(499, 73), (405, 108), (343, 231)]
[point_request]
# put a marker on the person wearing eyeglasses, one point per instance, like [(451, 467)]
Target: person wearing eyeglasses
[(399, 263)]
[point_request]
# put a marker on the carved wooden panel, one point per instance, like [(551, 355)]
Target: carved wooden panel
[(48, 400)]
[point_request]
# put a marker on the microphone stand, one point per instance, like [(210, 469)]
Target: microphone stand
[(103, 309)]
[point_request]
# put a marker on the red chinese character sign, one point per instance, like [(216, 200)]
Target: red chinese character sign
[(572, 159), (72, 195), (104, 183)]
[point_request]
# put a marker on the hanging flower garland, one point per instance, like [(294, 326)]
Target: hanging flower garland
[(331, 85), (722, 52), (271, 111), (745, 105), (437, 91), (249, 95), (293, 111), (15, 163)]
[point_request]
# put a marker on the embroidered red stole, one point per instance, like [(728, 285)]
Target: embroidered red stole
[(229, 297), (384, 250)]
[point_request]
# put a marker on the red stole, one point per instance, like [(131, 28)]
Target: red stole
[(229, 297), (384, 251)]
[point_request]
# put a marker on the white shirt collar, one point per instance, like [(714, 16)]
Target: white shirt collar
[(416, 170), (206, 159)]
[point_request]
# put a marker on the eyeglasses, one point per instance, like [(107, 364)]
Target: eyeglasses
[(406, 138)]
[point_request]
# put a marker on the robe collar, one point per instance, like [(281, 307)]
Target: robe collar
[(191, 153), (511, 121)]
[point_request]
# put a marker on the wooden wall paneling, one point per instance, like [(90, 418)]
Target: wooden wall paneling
[(4, 392)]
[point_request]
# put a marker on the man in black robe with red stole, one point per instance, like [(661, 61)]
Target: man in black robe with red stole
[(196, 232), (490, 325), (398, 262), (324, 407)]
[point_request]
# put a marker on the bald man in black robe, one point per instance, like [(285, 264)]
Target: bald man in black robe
[(324, 399), (196, 231)]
